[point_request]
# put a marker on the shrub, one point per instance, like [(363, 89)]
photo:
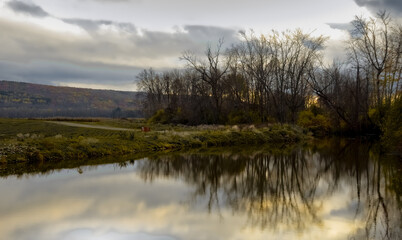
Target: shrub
[(392, 127), (169, 115), (241, 117), (318, 124), (35, 156), (160, 117)]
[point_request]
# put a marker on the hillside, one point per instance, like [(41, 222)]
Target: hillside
[(22, 100)]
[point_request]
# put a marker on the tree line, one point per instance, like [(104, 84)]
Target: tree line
[(281, 77)]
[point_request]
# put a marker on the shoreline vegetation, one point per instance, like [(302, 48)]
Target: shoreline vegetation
[(20, 169), (284, 77), (42, 140)]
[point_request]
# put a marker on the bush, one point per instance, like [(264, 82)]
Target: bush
[(242, 117), (160, 117), (317, 123), (392, 127), (168, 115), (35, 156)]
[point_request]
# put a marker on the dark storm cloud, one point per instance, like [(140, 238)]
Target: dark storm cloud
[(394, 6), (28, 9)]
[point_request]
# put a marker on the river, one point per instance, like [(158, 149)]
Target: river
[(336, 189)]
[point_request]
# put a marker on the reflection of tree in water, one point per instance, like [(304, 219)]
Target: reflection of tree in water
[(277, 189), (377, 203), (272, 188), (282, 190), (368, 174)]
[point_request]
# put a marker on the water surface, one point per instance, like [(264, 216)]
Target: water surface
[(337, 190)]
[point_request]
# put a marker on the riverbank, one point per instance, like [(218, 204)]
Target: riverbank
[(41, 140)]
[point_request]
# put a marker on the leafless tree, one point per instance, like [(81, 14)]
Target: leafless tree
[(373, 40), (275, 76), (296, 53), (212, 72), (150, 82)]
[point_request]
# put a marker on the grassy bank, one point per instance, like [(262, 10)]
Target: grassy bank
[(40, 140), (20, 169)]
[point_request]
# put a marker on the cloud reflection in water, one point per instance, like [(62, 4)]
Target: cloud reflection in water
[(296, 195)]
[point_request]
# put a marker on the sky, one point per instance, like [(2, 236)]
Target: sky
[(104, 44)]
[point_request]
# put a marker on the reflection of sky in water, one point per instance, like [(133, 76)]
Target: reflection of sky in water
[(115, 203)]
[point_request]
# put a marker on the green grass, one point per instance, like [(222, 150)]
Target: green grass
[(132, 124), (47, 167), (41, 141)]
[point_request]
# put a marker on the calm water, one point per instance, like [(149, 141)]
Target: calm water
[(339, 190)]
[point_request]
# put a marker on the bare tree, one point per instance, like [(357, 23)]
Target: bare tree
[(255, 58), (212, 72), (277, 66), (373, 41), (302, 54), (150, 82), (275, 75)]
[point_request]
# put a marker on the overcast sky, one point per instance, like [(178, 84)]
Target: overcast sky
[(105, 43)]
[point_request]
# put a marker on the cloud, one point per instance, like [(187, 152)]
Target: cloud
[(394, 6), (70, 74), (114, 1), (106, 53), (212, 33), (94, 25), (87, 24), (347, 27), (42, 49), (108, 43), (341, 26), (27, 9)]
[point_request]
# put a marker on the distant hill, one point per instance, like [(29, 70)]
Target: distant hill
[(27, 100)]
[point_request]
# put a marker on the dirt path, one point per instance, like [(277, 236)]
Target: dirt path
[(92, 126)]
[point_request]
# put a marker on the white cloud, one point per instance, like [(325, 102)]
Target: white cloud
[(96, 44), (141, 34)]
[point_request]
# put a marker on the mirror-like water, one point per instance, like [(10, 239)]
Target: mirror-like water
[(342, 190)]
